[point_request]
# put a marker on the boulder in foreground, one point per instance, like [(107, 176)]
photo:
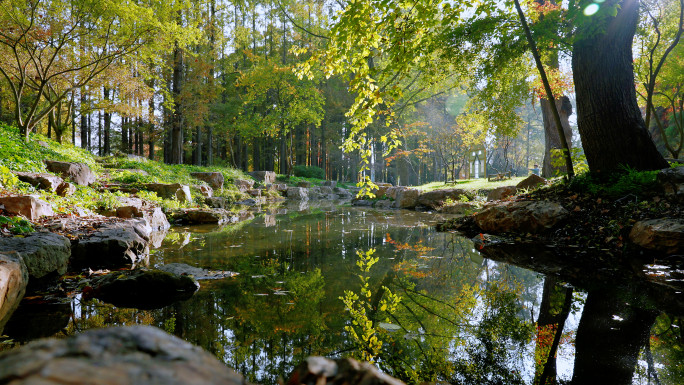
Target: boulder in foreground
[(43, 253), (13, 281), (140, 355)]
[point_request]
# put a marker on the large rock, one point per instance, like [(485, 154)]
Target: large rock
[(114, 245), (205, 190), (341, 371), (141, 355), (79, 173), (672, 181), (43, 181), (304, 184), (13, 280), (502, 192), (297, 193), (143, 289), (531, 182), (217, 202), (329, 183), (244, 184), (26, 205), (392, 191), (183, 194), (436, 198), (214, 179), (664, 234), (43, 253), (264, 176), (525, 217), (406, 198), (156, 219)]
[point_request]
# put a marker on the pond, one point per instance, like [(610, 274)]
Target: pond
[(441, 310)]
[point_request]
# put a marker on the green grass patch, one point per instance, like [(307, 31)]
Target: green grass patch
[(616, 185)]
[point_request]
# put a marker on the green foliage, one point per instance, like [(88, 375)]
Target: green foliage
[(363, 329), (616, 185), (309, 171), (16, 225), (579, 160), (7, 178), (19, 156)]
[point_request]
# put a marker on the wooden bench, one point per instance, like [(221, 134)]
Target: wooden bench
[(499, 176)]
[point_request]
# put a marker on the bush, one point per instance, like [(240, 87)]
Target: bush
[(617, 184), (309, 172)]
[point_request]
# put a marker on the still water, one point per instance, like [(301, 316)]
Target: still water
[(439, 310)]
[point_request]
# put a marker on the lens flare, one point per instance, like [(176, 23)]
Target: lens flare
[(591, 9)]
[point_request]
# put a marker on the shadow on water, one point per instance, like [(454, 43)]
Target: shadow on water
[(519, 315)]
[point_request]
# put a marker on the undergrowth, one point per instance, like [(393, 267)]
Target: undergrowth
[(616, 185)]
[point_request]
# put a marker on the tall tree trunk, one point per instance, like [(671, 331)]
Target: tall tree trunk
[(107, 126), (176, 128), (609, 120), (84, 121)]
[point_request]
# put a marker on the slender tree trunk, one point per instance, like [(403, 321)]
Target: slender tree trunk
[(176, 128), (84, 122), (611, 127), (552, 140), (107, 126)]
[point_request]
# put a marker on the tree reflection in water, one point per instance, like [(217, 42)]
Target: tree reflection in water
[(462, 319)]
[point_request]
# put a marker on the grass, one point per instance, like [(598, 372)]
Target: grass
[(16, 155), (472, 185)]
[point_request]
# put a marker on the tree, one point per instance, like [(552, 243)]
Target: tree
[(609, 120), (406, 36), (40, 41)]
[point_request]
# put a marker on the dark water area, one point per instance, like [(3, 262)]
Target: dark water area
[(437, 310)]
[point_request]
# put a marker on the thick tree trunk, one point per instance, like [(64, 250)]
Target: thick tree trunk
[(609, 120), (552, 140)]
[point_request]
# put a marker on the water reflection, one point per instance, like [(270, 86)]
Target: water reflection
[(461, 318)]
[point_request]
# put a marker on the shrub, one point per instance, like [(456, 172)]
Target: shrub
[(309, 172)]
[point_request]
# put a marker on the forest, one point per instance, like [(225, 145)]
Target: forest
[(276, 85)]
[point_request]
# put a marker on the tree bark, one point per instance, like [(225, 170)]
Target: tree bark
[(551, 138), (609, 120)]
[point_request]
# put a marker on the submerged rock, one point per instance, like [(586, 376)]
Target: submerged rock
[(79, 173), (114, 245), (203, 216), (143, 289), (38, 319), (525, 217), (43, 253), (664, 234), (13, 281), (179, 269), (141, 355), (28, 206)]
